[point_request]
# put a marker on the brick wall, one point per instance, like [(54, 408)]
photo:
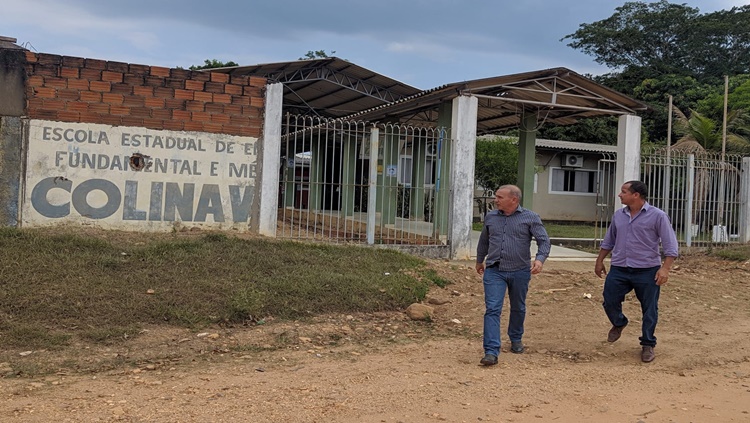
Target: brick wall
[(73, 89)]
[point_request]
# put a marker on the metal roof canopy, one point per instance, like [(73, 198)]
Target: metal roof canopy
[(329, 87), (335, 88), (559, 95)]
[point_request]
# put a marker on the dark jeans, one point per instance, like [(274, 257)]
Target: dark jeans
[(620, 281), (496, 282)]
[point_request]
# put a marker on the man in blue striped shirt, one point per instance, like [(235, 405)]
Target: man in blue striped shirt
[(504, 260), (633, 238)]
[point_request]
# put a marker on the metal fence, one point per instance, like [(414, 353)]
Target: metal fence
[(331, 190), (700, 191)]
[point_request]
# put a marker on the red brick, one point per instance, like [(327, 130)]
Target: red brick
[(112, 99), (231, 130), (138, 69), (200, 76), (134, 80), (73, 62), (69, 116), (162, 114), (110, 120), (181, 115), (214, 108), (152, 123), (195, 106), (44, 92), (257, 81), (154, 103), (251, 112), (174, 104), (133, 101), (241, 100), (204, 96), (77, 106), (239, 80), (163, 92), (219, 77), (257, 102), (78, 84), (118, 67), (34, 103), (179, 73), (194, 126), (89, 117), (201, 117), (69, 72), (100, 86), (174, 125), (194, 85), (253, 91), (99, 108), (35, 81), (54, 104), (31, 57), (247, 131), (111, 76), (95, 64), (233, 89), (132, 121), (49, 59), (143, 91), (154, 81), (214, 128), (55, 82), (159, 71), (174, 83), (141, 112), (222, 119), (184, 94), (119, 110), (223, 98), (91, 74), (91, 96), (239, 120), (43, 114), (214, 87), (46, 70), (123, 89), (70, 95)]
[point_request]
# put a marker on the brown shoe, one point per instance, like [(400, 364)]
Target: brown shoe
[(615, 332), (647, 354)]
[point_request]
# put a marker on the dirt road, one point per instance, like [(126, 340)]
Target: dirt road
[(386, 368)]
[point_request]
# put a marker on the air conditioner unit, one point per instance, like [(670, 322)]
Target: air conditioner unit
[(572, 160)]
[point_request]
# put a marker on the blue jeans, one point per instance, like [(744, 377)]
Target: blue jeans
[(619, 282), (496, 282)]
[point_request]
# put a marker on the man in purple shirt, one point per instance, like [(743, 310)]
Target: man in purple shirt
[(633, 238)]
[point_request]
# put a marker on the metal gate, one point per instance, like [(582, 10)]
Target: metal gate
[(606, 193), (334, 189), (699, 190)]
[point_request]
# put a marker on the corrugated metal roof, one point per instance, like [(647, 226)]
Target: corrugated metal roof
[(329, 87), (576, 146)]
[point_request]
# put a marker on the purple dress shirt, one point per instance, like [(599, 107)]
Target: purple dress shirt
[(634, 242)]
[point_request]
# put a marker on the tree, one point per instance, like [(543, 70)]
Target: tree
[(496, 162), (318, 54), (213, 64)]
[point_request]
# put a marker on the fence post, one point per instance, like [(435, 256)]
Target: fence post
[(372, 185), (744, 223), (689, 200)]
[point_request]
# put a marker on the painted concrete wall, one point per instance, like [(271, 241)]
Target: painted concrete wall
[(567, 206), (134, 178)]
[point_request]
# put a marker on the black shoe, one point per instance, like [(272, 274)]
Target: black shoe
[(647, 354), (615, 332), (516, 347), (488, 360)]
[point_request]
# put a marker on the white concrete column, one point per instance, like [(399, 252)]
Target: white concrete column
[(744, 224), (464, 136), (628, 152), (269, 161)]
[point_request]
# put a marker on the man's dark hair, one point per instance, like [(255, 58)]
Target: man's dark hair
[(638, 187)]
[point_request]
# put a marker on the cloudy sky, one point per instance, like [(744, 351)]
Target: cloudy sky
[(424, 43)]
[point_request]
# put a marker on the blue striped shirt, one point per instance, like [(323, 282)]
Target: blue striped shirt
[(506, 239), (635, 242)]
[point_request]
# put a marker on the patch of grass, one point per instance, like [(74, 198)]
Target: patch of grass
[(61, 285), (735, 253), (433, 277)]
